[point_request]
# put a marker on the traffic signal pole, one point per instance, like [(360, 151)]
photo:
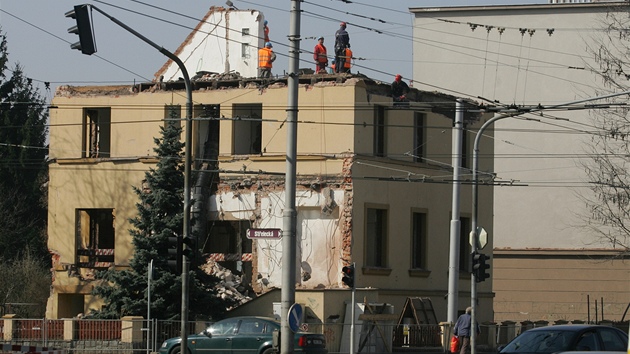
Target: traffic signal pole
[(289, 238), (187, 163)]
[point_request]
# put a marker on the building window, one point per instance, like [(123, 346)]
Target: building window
[(464, 244), (419, 137), (173, 115), (379, 131), (96, 132), (419, 241), (247, 131), (95, 238), (376, 238), (245, 50)]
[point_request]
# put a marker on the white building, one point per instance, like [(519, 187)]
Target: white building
[(544, 266)]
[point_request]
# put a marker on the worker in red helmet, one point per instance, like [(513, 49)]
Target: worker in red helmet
[(320, 56), (399, 89), (342, 41)]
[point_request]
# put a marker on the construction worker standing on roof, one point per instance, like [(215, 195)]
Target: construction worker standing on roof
[(266, 57), (347, 61), (342, 41), (266, 29), (320, 56)]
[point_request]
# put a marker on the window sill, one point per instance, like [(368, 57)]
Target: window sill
[(376, 271), (420, 273)]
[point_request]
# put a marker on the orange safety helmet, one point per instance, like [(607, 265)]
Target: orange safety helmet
[(343, 24)]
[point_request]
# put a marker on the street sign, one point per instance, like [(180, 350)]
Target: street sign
[(295, 317), (483, 238), (274, 234)]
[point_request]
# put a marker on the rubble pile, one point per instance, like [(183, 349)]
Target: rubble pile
[(230, 284)]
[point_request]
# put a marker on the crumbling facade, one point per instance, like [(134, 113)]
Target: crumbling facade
[(373, 184)]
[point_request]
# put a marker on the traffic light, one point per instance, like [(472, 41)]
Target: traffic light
[(175, 253), (479, 266), (81, 14), (348, 275)]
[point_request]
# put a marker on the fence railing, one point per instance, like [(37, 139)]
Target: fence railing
[(134, 335)]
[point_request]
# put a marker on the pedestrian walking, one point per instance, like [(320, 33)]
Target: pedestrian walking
[(342, 41), (320, 56), (266, 57), (463, 330)]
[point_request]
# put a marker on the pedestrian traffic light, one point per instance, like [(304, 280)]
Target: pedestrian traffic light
[(175, 253), (348, 275), (479, 266), (81, 14)]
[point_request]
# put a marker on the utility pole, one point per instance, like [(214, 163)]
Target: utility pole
[(453, 261), (289, 238), (82, 30)]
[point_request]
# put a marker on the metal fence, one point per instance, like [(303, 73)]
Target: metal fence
[(136, 336)]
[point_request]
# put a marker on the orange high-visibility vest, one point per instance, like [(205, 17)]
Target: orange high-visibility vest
[(321, 53), (347, 58), (264, 58)]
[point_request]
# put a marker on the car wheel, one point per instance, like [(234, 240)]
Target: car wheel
[(268, 351), (177, 350)]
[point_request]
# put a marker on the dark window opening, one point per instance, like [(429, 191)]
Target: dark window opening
[(247, 136), (229, 239), (419, 137), (173, 115), (379, 131), (419, 241), (95, 238), (376, 237), (96, 132)]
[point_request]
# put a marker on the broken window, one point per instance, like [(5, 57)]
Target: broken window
[(173, 115), (419, 241), (376, 237), (419, 137), (95, 238), (379, 131), (245, 51), (96, 132), (247, 128)]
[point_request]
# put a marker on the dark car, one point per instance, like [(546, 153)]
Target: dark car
[(562, 338), (243, 335)]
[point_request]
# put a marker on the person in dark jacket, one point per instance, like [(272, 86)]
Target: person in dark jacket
[(342, 41), (463, 330), (399, 89)]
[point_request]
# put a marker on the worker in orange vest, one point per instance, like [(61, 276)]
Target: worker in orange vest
[(347, 63), (266, 57), (320, 56)]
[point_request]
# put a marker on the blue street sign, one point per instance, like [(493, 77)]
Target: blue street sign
[(295, 317)]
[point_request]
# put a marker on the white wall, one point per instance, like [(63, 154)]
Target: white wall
[(217, 45), (523, 70)]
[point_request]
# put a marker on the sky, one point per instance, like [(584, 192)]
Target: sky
[(38, 40)]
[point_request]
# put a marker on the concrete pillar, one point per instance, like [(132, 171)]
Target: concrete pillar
[(131, 329), (69, 326), (9, 324)]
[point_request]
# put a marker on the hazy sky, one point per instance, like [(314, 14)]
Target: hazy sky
[(38, 39)]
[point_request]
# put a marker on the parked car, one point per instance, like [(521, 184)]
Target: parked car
[(574, 337), (243, 335)]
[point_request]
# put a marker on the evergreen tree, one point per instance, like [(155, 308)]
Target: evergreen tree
[(160, 216), (23, 165)]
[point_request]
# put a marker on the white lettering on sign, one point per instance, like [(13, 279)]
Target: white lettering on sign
[(264, 233)]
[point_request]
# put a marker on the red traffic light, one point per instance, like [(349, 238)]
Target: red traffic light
[(348, 275)]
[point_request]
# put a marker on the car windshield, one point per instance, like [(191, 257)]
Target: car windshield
[(540, 342)]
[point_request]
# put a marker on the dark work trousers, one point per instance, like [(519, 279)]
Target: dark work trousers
[(464, 345), (340, 59)]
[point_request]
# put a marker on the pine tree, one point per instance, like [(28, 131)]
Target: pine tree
[(160, 216), (23, 165)]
